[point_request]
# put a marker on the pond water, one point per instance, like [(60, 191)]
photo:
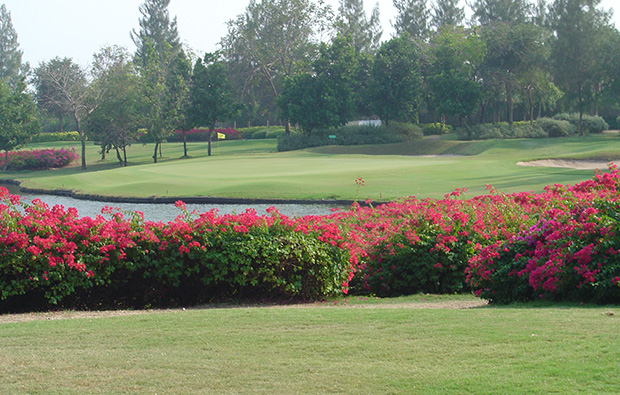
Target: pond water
[(167, 212)]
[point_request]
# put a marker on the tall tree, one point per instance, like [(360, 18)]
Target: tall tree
[(324, 97), (163, 92), (513, 51), (447, 13), (578, 26), (489, 12), (274, 39), (66, 86), (18, 119), (157, 29), (365, 32), (456, 54), (11, 68), (396, 83), (412, 18), (48, 97), (210, 95), (114, 123)]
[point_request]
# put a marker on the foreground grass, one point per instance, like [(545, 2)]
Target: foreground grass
[(319, 349), (252, 169)]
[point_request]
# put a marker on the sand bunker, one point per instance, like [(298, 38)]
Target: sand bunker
[(571, 164)]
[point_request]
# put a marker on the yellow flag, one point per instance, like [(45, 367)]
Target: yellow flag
[(221, 136)]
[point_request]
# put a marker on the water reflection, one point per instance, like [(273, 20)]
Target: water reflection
[(167, 212)]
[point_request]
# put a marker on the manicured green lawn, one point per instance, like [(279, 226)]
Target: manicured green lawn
[(253, 169), (378, 347)]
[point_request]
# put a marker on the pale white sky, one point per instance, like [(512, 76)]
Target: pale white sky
[(79, 28)]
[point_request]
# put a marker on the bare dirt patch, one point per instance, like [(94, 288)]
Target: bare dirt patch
[(569, 164), (68, 315)]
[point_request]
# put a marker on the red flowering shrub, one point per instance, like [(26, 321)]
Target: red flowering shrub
[(571, 253), (49, 254), (41, 159)]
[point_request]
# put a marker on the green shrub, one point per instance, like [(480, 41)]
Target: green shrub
[(352, 135), (555, 127), (501, 131), (56, 136), (479, 132), (261, 134), (431, 129), (591, 123)]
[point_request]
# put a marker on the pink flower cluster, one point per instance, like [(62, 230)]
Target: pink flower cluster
[(41, 159)]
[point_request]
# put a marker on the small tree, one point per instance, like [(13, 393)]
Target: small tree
[(18, 120), (210, 95)]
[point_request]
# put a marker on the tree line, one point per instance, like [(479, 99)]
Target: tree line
[(299, 62)]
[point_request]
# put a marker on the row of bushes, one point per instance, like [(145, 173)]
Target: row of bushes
[(55, 136), (561, 125), (41, 159), (263, 132), (352, 135), (562, 244)]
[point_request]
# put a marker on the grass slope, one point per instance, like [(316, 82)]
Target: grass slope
[(252, 169), (326, 349)]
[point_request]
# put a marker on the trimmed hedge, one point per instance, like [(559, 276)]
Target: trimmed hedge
[(56, 136), (501, 131), (352, 135)]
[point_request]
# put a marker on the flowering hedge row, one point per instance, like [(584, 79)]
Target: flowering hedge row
[(561, 244), (50, 255), (41, 159)]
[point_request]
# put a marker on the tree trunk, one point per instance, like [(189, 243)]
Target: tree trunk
[(155, 152), (125, 155), (210, 137), (185, 144), (509, 106), (530, 95), (118, 156), (82, 139)]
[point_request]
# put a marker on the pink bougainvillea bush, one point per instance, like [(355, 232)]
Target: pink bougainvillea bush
[(571, 253), (52, 256), (40, 159)]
